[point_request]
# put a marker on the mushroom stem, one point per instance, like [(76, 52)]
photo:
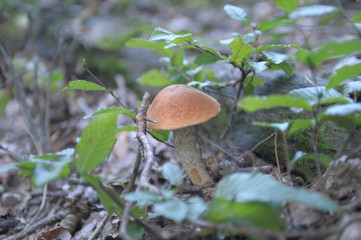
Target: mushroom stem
[(184, 142)]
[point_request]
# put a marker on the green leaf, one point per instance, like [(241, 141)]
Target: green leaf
[(83, 85), (154, 78), (254, 214), (96, 142), (268, 25), (134, 231), (344, 115), (113, 110), (3, 102), (254, 81), (108, 197), (127, 129), (333, 50), (240, 51), (236, 13), (299, 124), (315, 94), (206, 58), (255, 103), (177, 60), (173, 209), (161, 135), (196, 207), (324, 159), (357, 17), (275, 46), (162, 34), (298, 155), (312, 11), (287, 5), (257, 66), (45, 168), (344, 73), (7, 167), (143, 197), (350, 87), (156, 46), (287, 68), (280, 126), (257, 187), (211, 77), (344, 110), (173, 173)]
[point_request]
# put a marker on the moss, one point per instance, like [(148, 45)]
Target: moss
[(300, 141)]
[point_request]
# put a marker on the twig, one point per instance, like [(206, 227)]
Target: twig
[(147, 150), (277, 160), (257, 145), (204, 49), (99, 227), (100, 82), (131, 182), (22, 99), (245, 73), (43, 222)]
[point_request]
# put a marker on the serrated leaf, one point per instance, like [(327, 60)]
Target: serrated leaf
[(113, 110), (344, 115), (299, 124), (254, 214), (280, 126), (333, 50), (173, 173), (196, 207), (315, 94), (235, 12), (96, 142), (83, 85), (154, 78), (257, 187), (312, 11), (173, 209), (257, 66), (156, 46), (276, 58), (344, 73), (206, 58), (287, 5), (162, 34), (143, 197), (45, 168), (211, 77), (240, 51), (254, 103), (108, 197)]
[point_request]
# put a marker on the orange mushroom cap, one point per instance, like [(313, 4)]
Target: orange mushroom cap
[(179, 106)]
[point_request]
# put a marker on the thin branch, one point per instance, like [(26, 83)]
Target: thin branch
[(100, 83), (277, 160), (257, 145), (22, 99), (99, 227)]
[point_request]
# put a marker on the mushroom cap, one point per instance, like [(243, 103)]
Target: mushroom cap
[(179, 105)]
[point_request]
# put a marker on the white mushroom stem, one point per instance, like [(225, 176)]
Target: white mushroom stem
[(184, 142)]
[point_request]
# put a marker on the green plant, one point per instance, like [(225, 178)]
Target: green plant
[(253, 199)]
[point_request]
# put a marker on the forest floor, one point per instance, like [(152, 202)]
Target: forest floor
[(56, 39)]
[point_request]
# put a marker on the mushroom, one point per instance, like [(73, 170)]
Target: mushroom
[(178, 107)]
